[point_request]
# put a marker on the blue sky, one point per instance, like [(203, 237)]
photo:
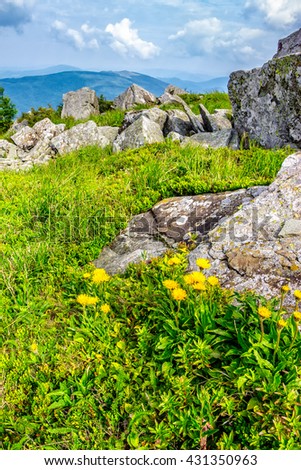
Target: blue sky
[(197, 37)]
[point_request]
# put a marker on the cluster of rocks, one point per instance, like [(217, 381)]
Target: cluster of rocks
[(252, 237), (46, 140)]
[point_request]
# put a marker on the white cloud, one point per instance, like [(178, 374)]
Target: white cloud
[(73, 37), (15, 13), (277, 13), (213, 37), (126, 41)]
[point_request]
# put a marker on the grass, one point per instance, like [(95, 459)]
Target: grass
[(153, 372)]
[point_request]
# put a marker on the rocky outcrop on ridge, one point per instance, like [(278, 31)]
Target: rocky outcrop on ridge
[(267, 101), (46, 140), (80, 104), (251, 237)]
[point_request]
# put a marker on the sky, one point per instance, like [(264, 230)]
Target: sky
[(193, 38)]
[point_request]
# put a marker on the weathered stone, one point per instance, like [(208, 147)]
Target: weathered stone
[(132, 96), (179, 122), (8, 151), (175, 136), (289, 45), (196, 123), (258, 247), (17, 126), (26, 138), (80, 104), (267, 101), (291, 227), (45, 129), (83, 135), (156, 115), (169, 222), (141, 132), (175, 90), (215, 122), (218, 139)]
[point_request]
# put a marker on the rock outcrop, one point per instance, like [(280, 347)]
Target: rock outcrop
[(267, 101), (142, 131), (289, 45), (132, 96), (175, 90), (251, 237), (80, 104)]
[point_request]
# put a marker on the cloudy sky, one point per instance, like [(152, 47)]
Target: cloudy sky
[(202, 37)]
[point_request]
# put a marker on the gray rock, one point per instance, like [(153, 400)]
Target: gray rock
[(267, 101), (8, 151), (174, 136), (17, 126), (215, 122), (26, 138), (141, 132), (291, 227), (169, 222), (156, 115), (83, 135), (45, 129), (175, 90), (179, 122), (80, 104), (289, 45), (196, 124), (132, 96), (218, 139)]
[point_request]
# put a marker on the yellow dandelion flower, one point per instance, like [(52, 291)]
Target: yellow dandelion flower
[(297, 316), (85, 300), (285, 288), (199, 286), (34, 348), (105, 308), (203, 263), (99, 276), (213, 281), (86, 275), (174, 261), (264, 312), (194, 277), (281, 323), (297, 294), (179, 294), (170, 284)]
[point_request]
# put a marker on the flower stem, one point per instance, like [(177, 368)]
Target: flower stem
[(262, 330)]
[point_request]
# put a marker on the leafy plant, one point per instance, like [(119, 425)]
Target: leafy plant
[(7, 111)]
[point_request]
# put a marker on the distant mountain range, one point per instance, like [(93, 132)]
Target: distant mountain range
[(44, 89)]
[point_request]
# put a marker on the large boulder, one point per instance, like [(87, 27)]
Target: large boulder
[(132, 96), (168, 223), (80, 104), (251, 237), (179, 122), (83, 135), (142, 131), (259, 246), (267, 101)]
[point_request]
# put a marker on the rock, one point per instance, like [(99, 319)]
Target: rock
[(156, 115), (179, 122), (45, 129), (141, 132), (217, 121), (289, 45), (169, 222), (175, 90), (132, 96), (267, 101), (26, 138), (218, 139), (196, 124), (80, 104), (174, 136), (259, 246), (17, 126), (83, 135), (8, 151)]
